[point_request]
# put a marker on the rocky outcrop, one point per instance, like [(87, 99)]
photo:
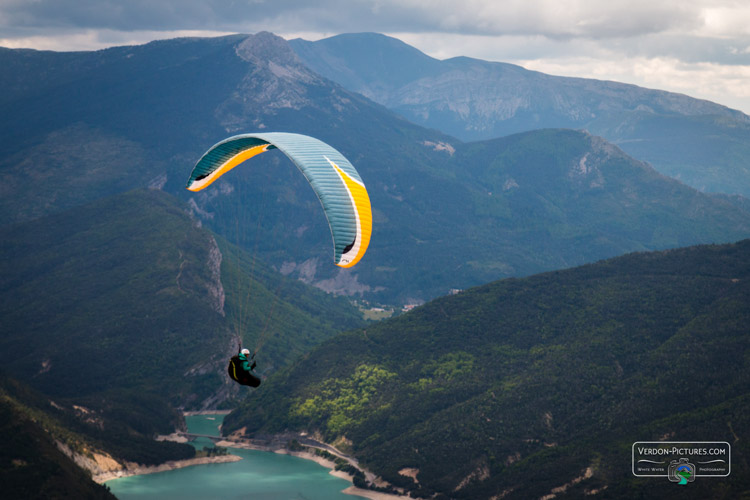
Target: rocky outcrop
[(202, 278), (132, 469), (215, 289), (276, 80), (98, 463), (344, 283)]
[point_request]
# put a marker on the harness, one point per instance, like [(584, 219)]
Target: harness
[(239, 374)]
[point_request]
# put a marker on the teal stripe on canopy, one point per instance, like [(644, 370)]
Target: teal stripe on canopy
[(221, 153)]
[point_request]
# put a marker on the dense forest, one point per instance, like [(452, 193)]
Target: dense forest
[(32, 464), (521, 386)]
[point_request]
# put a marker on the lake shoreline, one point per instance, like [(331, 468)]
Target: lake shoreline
[(206, 412), (139, 470), (308, 455), (275, 444)]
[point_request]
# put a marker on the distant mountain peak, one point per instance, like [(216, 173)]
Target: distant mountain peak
[(264, 46), (277, 79)]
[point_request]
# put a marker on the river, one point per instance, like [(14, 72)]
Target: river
[(259, 475)]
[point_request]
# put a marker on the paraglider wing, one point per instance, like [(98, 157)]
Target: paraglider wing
[(333, 178)]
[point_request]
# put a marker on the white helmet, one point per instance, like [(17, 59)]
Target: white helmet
[(245, 351)]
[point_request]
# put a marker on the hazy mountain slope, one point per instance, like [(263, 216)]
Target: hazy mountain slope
[(372, 64), (702, 143), (557, 198), (99, 123), (519, 387), (128, 293), (138, 116)]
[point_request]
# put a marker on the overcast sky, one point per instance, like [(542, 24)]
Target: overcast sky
[(696, 47)]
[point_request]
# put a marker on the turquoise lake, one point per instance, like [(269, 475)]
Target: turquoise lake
[(259, 475)]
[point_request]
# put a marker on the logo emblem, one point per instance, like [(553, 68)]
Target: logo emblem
[(681, 471)]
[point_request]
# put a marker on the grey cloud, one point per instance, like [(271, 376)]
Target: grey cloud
[(125, 15), (689, 49), (540, 17), (632, 27)]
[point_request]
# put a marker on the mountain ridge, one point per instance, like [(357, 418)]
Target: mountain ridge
[(472, 99), (428, 195), (334, 52)]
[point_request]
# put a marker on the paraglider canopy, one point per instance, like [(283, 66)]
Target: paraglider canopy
[(333, 178)]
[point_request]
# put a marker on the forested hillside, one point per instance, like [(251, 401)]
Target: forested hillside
[(130, 292), (523, 386), (127, 309), (32, 463)]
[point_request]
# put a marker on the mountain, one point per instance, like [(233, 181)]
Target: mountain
[(131, 117), (129, 293), (447, 214), (701, 143), (53, 446), (537, 387), (33, 463), (557, 198), (120, 311), (102, 122)]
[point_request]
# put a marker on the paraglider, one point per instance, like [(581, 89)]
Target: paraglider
[(334, 179), (241, 371)]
